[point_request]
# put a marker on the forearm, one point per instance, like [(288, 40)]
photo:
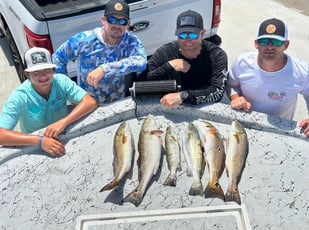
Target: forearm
[(125, 66), (159, 71), (158, 67), (208, 95), (87, 105), (14, 138)]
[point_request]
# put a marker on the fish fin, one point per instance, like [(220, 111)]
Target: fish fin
[(124, 139), (157, 132), (236, 135), (213, 130), (204, 139), (135, 197), (214, 191), (233, 195), (170, 180), (110, 185), (196, 189), (225, 140)]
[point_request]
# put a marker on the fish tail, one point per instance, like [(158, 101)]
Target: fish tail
[(135, 197), (110, 185), (196, 189), (214, 191), (170, 180), (233, 195)]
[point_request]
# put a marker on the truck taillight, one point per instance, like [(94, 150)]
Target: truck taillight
[(216, 13), (38, 40)]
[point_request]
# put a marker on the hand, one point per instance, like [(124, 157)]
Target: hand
[(171, 100), (95, 76), (305, 127), (180, 65), (53, 147), (54, 129), (239, 102)]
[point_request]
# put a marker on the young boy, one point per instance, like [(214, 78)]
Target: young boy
[(41, 101)]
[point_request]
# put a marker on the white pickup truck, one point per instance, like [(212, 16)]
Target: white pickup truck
[(48, 23)]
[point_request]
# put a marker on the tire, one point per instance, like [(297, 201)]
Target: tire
[(18, 62), (216, 39)]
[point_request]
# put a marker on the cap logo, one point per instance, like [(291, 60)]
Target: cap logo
[(118, 6), (187, 21), (271, 28), (38, 57)]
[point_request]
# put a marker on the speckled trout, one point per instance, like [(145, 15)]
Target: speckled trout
[(123, 149), (149, 148), (172, 149), (193, 152), (215, 158), (237, 151)]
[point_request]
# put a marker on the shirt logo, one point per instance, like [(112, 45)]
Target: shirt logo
[(276, 96)]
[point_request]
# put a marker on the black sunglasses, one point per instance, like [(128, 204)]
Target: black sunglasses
[(266, 41), (122, 21)]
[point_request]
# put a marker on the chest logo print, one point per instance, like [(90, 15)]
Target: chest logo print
[(276, 96)]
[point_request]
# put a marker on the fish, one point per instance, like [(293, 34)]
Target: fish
[(193, 152), (215, 158), (172, 149), (150, 152), (123, 150), (237, 152)]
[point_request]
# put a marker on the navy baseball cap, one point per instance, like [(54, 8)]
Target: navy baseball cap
[(273, 28), (117, 7), (189, 21)]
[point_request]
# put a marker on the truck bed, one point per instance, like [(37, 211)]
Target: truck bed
[(44, 10), (49, 9)]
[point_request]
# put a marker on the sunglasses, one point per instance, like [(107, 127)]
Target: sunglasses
[(185, 35), (274, 42), (122, 21)]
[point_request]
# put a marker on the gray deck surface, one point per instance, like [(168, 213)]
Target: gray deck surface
[(41, 192)]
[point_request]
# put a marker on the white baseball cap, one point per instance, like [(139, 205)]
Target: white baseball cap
[(38, 58)]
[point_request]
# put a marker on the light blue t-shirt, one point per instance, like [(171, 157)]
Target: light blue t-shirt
[(35, 112)]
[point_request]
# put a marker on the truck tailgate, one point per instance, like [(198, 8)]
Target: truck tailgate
[(160, 15)]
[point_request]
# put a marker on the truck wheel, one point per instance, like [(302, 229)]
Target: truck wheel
[(15, 55), (216, 39)]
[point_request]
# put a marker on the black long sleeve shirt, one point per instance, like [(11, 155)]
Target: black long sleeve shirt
[(205, 81)]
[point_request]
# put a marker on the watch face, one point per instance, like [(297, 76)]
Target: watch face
[(184, 94)]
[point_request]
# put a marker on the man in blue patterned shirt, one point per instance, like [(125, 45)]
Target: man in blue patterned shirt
[(104, 55)]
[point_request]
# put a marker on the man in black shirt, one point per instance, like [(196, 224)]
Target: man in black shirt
[(199, 66)]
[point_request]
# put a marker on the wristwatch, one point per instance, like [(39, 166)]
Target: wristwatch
[(184, 95)]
